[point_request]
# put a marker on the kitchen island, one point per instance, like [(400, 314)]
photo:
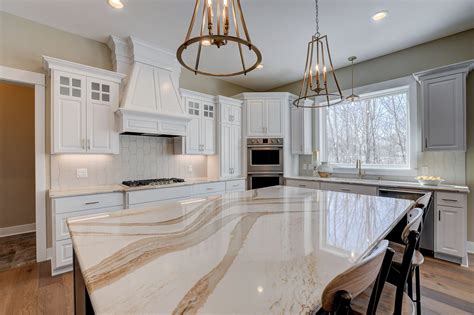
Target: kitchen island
[(270, 250)]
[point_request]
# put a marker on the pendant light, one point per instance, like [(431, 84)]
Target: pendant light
[(353, 97), (217, 25), (318, 70)]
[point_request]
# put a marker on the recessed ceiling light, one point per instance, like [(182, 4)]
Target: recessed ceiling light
[(116, 4), (260, 66), (379, 15)]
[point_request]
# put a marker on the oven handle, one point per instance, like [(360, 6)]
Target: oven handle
[(267, 147)]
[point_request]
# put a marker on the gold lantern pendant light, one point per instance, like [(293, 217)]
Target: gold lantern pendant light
[(353, 97), (318, 70), (223, 22)]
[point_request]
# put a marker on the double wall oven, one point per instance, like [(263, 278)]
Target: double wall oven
[(264, 162)]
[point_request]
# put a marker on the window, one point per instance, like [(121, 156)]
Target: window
[(373, 129)]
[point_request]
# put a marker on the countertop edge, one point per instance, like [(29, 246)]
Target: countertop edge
[(383, 183)]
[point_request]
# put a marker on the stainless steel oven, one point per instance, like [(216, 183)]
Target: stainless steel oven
[(264, 180), (265, 155)]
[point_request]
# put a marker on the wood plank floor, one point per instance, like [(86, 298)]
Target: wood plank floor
[(446, 288)]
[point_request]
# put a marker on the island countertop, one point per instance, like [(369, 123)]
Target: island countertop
[(264, 251)]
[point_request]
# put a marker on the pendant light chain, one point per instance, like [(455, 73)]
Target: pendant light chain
[(316, 7)]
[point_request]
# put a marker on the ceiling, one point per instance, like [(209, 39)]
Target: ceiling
[(279, 28)]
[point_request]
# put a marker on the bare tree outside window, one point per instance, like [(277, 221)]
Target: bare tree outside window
[(373, 129)]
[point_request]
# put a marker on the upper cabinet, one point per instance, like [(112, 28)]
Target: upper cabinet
[(265, 113), (228, 162), (83, 102), (443, 94), (301, 130), (201, 138)]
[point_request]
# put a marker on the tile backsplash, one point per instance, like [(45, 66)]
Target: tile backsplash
[(449, 165), (139, 158)]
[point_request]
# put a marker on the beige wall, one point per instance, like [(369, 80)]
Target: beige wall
[(23, 42), (17, 155), (444, 51)]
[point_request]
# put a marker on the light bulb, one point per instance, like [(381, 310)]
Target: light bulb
[(225, 3), (116, 4), (209, 3), (379, 15), (260, 66), (206, 42)]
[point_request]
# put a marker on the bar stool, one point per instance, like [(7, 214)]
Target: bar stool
[(418, 259), (362, 289)]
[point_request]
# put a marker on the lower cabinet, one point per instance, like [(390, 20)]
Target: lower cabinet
[(303, 183), (450, 225), (70, 207), (350, 188)]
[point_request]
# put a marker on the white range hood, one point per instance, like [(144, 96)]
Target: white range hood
[(151, 102)]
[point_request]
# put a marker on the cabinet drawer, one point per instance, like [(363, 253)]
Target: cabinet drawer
[(153, 195), (61, 229), (349, 188), (451, 199), (89, 202), (207, 189), (63, 253), (303, 183), (235, 185)]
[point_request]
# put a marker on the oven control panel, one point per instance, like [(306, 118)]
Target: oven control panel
[(265, 141)]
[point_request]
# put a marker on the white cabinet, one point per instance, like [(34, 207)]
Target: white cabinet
[(265, 116), (83, 103), (350, 188), (70, 207), (201, 138), (301, 131), (450, 224), (228, 162), (443, 92), (303, 183)]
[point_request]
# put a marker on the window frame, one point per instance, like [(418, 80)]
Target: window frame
[(413, 129)]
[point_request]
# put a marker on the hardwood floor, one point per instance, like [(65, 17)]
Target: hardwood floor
[(17, 250), (446, 288)]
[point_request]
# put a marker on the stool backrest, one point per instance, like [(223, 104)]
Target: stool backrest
[(356, 279), (423, 201), (414, 218)]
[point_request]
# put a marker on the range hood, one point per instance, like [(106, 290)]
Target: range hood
[(151, 103)]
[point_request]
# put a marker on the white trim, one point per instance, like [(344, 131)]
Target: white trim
[(38, 80), (50, 63), (470, 247), (460, 67), (17, 229), (407, 82)]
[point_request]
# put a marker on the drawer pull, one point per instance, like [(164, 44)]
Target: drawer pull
[(345, 189), (235, 185), (301, 185), (91, 203), (451, 200), (209, 188)]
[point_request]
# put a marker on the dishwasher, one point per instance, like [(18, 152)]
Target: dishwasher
[(427, 235)]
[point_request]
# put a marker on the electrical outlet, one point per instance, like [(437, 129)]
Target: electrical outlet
[(424, 170), (190, 168), (81, 173), (305, 167)]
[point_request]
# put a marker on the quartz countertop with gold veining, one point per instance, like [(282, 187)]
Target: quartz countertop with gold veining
[(264, 251)]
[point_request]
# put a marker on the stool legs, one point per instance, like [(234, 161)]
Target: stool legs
[(417, 288), (410, 284)]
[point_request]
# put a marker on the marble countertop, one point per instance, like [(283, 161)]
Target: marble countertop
[(264, 251), (91, 190), (384, 183)]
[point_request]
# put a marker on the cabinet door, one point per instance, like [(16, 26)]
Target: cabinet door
[(236, 115), (444, 120), (208, 130), (69, 113), (102, 101), (449, 236), (297, 130), (193, 139), (225, 113), (273, 118), (225, 154), (255, 117), (236, 150)]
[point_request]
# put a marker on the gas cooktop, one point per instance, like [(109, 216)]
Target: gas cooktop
[(152, 182)]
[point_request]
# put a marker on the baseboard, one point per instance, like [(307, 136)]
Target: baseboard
[(470, 247), (17, 229)]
